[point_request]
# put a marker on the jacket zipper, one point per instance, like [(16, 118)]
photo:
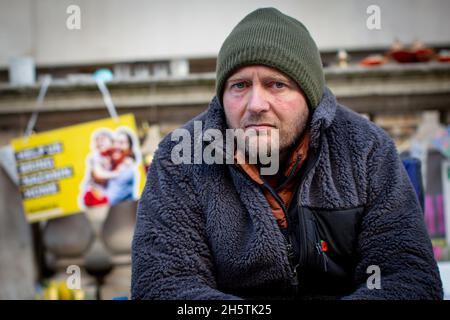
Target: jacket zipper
[(304, 247), (318, 245), (299, 190), (290, 249), (294, 167)]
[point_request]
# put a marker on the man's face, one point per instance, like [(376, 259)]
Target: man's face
[(262, 98)]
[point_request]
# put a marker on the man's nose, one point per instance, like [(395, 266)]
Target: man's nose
[(258, 100)]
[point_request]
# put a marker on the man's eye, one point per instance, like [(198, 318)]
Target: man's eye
[(239, 85), (279, 85)]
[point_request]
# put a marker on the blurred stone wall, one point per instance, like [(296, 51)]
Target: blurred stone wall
[(17, 265)]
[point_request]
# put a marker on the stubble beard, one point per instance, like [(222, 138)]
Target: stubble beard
[(288, 135)]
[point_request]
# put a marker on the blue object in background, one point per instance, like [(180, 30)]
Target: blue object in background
[(413, 168), (103, 74)]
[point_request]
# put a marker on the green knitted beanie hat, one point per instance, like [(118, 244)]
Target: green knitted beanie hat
[(268, 37)]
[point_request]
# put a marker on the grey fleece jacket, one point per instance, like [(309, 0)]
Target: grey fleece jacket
[(207, 232)]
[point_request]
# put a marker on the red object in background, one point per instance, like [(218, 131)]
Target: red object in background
[(403, 56), (409, 56), (424, 54), (444, 57), (373, 60), (94, 198)]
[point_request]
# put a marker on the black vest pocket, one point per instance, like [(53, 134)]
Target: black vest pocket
[(339, 229), (326, 240)]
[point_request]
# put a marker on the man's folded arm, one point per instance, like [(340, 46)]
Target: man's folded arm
[(171, 258), (393, 235)]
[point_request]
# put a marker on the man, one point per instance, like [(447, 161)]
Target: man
[(339, 219)]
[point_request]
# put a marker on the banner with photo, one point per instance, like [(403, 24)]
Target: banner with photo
[(64, 171)]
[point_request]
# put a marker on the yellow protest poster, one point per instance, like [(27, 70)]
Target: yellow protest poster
[(64, 171)]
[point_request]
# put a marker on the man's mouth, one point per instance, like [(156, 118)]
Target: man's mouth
[(259, 126)]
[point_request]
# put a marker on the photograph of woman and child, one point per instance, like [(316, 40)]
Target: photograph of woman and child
[(112, 174)]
